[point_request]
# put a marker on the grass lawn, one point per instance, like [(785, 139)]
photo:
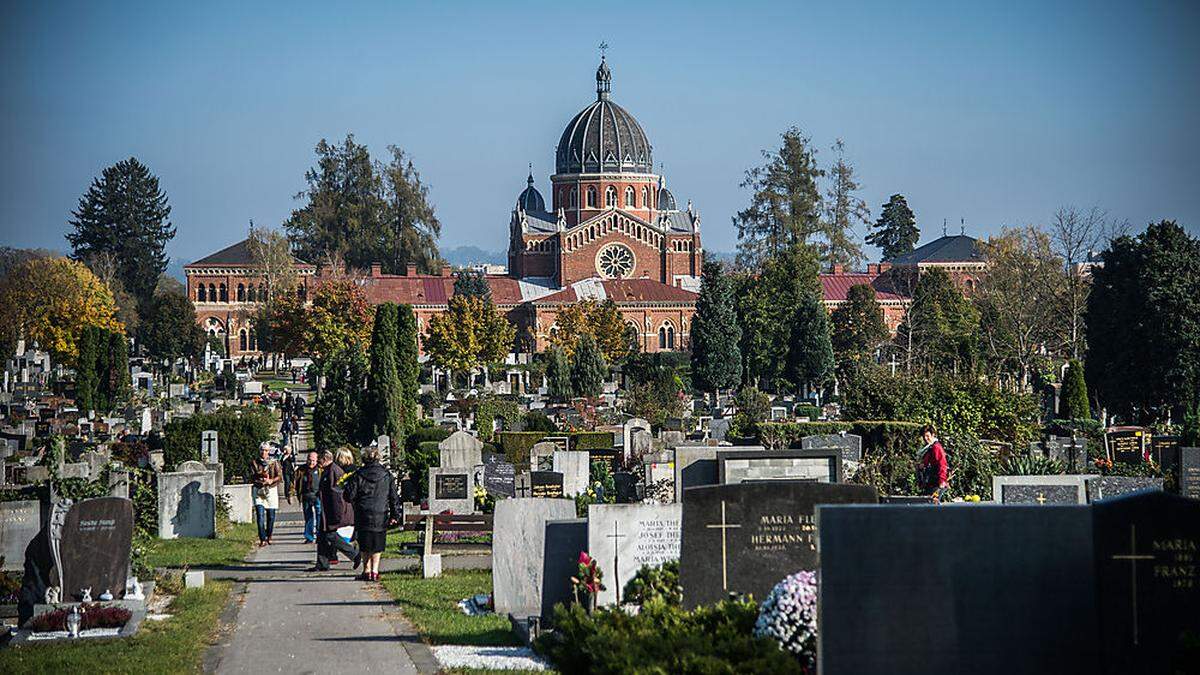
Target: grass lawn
[(173, 646), (432, 606), (233, 542), (397, 537)]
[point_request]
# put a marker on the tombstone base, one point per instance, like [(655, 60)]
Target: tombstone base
[(193, 579), (431, 565)]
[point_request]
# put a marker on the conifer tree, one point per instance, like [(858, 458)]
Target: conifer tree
[(786, 207), (87, 381), (588, 368), (810, 353), (408, 368), (558, 374), (383, 383), (1073, 403), (716, 355), (896, 230), (858, 328)]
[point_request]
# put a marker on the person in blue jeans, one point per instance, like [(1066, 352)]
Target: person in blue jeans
[(267, 476), (307, 482)]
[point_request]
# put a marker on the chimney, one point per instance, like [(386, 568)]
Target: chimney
[(446, 270), (411, 270), (376, 270), (839, 269), (884, 266)]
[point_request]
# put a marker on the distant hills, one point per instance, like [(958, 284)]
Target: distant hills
[(462, 256)]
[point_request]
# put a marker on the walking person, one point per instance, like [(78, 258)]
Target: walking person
[(933, 471), (336, 513), (308, 483), (372, 492), (287, 463), (285, 428), (267, 476)]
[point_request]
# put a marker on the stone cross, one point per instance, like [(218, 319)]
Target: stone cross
[(616, 537), (723, 527), (1133, 559)]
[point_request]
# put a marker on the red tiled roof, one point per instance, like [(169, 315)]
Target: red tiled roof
[(427, 289), (835, 287), (628, 290)]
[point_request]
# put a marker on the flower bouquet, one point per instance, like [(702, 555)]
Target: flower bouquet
[(587, 581)]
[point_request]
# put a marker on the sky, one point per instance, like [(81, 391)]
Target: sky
[(987, 114)]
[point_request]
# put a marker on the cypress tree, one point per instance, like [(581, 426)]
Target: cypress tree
[(86, 378), (101, 402), (383, 383), (1073, 404), (558, 375), (408, 368), (716, 355), (117, 375), (810, 352), (588, 368)]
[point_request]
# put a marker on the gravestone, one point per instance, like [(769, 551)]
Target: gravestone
[(1040, 490), (1188, 474), (522, 485), (187, 504), (460, 450), (191, 466), (76, 470), (1107, 487), (94, 550), (718, 429), (20, 522), (498, 476), (627, 487), (747, 537), (850, 445), (1126, 444), (628, 428), (545, 484), (695, 466), (384, 443), (564, 540), (575, 469), (609, 456), (118, 483), (95, 461), (737, 466), (641, 441), (241, 501), (210, 446), (451, 489), (518, 538), (894, 599), (1146, 548), (624, 537), (541, 456)]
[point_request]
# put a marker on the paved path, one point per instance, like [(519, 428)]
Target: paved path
[(290, 620)]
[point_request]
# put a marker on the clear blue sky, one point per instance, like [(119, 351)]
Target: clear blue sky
[(997, 113)]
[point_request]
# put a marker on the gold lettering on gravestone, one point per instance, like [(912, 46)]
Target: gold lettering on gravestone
[(1177, 558), (781, 531), (1133, 557), (723, 526)]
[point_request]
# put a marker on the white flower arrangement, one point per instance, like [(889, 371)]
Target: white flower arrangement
[(789, 616)]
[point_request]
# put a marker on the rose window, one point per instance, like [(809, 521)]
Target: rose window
[(615, 261)]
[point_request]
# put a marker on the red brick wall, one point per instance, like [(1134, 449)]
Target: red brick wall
[(648, 320)]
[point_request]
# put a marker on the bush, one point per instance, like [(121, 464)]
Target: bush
[(516, 445), (812, 412), (1073, 402), (753, 406), (240, 431), (663, 639), (789, 617), (536, 420), (418, 461), (1031, 465), (655, 582)]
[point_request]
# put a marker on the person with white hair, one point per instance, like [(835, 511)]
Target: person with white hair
[(267, 476)]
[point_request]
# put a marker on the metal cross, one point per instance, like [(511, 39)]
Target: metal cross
[(1133, 559), (603, 48), (723, 527), (616, 537)]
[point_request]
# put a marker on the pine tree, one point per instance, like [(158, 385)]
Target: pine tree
[(1073, 404), (896, 230), (124, 214), (810, 354), (472, 282), (844, 210), (588, 368), (558, 375), (101, 400), (383, 383), (786, 207), (716, 355), (408, 368), (858, 328)]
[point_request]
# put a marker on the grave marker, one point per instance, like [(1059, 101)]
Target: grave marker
[(519, 531), (451, 489), (1126, 444), (187, 504), (737, 466), (94, 549), (546, 484), (210, 446), (625, 537), (1040, 490)]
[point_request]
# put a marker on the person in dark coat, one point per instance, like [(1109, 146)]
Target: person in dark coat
[(335, 513), (372, 492)]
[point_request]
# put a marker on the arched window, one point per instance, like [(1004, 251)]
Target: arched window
[(574, 198), (242, 340), (591, 197), (666, 336), (224, 293), (242, 292), (212, 293), (610, 197), (645, 198), (201, 293), (253, 340), (630, 198)]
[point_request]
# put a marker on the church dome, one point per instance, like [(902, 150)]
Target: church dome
[(603, 137), (666, 200), (530, 199)]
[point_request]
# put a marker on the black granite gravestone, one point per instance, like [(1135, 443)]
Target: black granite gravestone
[(746, 537), (564, 541), (1126, 445), (626, 485), (1107, 487), (607, 455), (450, 486), (980, 589), (1164, 451), (94, 550), (1146, 550), (498, 476), (546, 484), (1188, 474)]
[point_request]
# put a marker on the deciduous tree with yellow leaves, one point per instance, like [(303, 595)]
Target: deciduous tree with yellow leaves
[(471, 334), (602, 321)]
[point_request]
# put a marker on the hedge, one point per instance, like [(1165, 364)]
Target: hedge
[(883, 434), (240, 432), (516, 445)]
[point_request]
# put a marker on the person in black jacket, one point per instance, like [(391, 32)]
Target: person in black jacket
[(372, 491), (335, 514)]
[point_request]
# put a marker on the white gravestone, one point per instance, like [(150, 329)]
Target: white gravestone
[(209, 445), (624, 537)]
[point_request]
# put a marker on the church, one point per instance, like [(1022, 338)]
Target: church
[(611, 231)]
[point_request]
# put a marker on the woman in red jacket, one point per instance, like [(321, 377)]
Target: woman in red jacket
[(933, 472)]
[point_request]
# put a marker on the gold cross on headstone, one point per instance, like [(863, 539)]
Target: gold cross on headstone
[(723, 527), (1133, 559), (1041, 498), (616, 537)]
